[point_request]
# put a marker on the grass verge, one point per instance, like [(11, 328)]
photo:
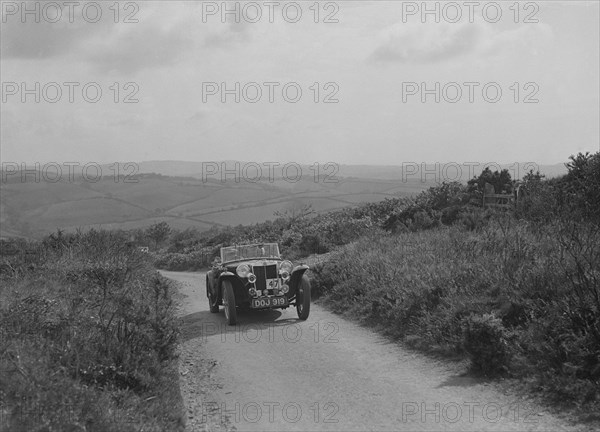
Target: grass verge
[(519, 300), (88, 339)]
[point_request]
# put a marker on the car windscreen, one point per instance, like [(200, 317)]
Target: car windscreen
[(256, 251)]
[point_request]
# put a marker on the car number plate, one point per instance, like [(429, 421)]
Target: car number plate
[(269, 302)]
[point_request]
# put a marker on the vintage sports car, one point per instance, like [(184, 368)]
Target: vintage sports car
[(256, 277)]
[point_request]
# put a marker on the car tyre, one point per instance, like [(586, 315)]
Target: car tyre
[(303, 298), (212, 302), (229, 303)]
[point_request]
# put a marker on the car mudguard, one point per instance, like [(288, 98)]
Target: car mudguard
[(297, 273), (235, 282)]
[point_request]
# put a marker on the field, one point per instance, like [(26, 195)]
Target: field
[(183, 195), (33, 209)]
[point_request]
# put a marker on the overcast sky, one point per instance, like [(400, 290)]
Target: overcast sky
[(370, 55)]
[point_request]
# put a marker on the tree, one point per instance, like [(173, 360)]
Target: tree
[(581, 185), (159, 232), (501, 181), (532, 177), (536, 198), (447, 194), (578, 165)]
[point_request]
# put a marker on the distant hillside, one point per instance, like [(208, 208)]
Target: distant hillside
[(33, 207), (448, 169), (376, 172), (197, 194)]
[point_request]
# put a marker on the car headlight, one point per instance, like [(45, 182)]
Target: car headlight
[(284, 275), (251, 277), (286, 266), (243, 270)]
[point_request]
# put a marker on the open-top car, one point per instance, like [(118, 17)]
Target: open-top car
[(254, 276)]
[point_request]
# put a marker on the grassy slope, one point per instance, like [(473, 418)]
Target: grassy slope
[(88, 334), (517, 300)]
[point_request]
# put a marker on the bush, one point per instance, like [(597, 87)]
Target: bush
[(486, 342), (456, 291), (474, 218), (191, 261), (87, 334)]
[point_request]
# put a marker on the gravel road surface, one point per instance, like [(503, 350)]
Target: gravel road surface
[(273, 372)]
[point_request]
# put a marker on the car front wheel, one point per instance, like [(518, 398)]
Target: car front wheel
[(229, 303), (303, 298)]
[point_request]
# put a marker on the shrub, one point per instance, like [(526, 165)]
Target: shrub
[(192, 260), (457, 291), (486, 342), (473, 218), (87, 335)]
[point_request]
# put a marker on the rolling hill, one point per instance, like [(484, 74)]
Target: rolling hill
[(190, 194)]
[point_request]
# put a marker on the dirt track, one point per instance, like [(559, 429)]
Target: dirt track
[(273, 372)]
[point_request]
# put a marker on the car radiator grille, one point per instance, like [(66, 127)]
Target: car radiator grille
[(263, 273)]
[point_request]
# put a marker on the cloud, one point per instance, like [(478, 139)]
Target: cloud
[(137, 48), (438, 42), (198, 116), (221, 39), (423, 43), (528, 40), (161, 38), (156, 40), (233, 32), (223, 29), (43, 40)]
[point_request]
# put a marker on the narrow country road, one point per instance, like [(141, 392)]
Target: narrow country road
[(273, 372)]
